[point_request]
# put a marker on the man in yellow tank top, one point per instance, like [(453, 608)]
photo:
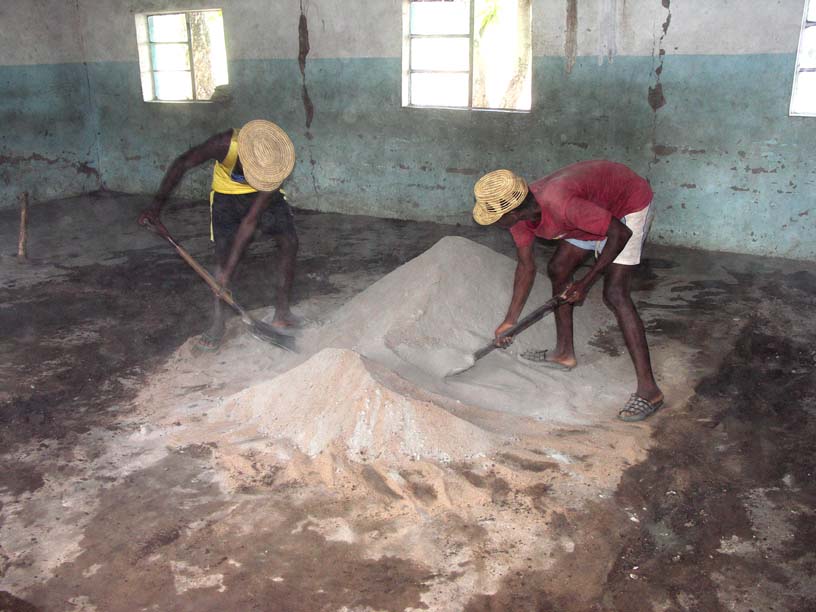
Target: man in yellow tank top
[(250, 166)]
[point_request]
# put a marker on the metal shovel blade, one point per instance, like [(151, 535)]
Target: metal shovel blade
[(267, 333)]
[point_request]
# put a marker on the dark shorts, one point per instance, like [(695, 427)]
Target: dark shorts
[(229, 210)]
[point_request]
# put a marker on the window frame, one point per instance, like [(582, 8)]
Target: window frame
[(798, 70), (408, 37), (146, 46)]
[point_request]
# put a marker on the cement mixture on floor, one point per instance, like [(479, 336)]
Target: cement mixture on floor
[(141, 474)]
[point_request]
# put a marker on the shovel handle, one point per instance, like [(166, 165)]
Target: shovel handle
[(222, 292), (532, 318)]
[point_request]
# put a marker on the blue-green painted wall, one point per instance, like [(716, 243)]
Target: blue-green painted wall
[(48, 135), (730, 169)]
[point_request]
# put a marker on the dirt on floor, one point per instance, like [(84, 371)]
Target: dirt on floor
[(99, 512)]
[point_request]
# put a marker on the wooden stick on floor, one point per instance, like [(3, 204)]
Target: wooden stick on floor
[(21, 242)]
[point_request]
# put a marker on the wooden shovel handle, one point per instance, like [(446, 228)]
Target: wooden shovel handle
[(222, 292), (534, 317)]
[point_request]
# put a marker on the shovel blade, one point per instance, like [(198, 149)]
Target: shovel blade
[(470, 362), (267, 333)]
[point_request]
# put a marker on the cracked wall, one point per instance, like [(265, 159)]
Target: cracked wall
[(48, 140), (705, 119)]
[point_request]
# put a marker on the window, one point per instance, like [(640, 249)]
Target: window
[(467, 54), (182, 56), (803, 98)]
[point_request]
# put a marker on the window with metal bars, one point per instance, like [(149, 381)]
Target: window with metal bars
[(182, 56), (803, 97), (471, 54)]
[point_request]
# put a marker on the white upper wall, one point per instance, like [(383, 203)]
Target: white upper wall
[(39, 32), (48, 31), (704, 27)]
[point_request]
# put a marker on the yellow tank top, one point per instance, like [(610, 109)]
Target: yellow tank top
[(224, 181)]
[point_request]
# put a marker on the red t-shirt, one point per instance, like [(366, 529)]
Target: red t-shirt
[(580, 200)]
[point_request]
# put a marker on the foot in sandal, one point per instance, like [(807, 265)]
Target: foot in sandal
[(638, 408)]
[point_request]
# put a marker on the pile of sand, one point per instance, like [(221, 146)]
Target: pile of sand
[(338, 400), (463, 474), (434, 311), (426, 318), (375, 389)]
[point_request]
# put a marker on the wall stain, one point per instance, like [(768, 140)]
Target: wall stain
[(663, 150), (80, 167), (466, 171), (689, 185), (308, 106), (608, 31), (303, 51), (428, 187), (762, 171), (580, 145), (571, 34), (735, 188), (656, 98)]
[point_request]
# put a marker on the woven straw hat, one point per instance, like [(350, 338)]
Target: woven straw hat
[(266, 153), (497, 193)]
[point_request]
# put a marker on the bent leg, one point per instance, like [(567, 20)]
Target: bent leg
[(227, 213), (560, 269), (213, 336), (617, 297), (288, 247)]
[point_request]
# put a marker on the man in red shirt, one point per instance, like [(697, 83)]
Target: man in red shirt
[(590, 206)]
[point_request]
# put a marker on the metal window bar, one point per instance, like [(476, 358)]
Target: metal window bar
[(469, 71), (190, 55)]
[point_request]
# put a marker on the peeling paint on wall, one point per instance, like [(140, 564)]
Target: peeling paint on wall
[(303, 51), (656, 98), (84, 168), (608, 31), (465, 171), (571, 36)]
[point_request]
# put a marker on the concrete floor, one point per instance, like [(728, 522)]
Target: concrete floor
[(723, 506)]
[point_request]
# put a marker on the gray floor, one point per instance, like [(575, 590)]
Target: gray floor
[(727, 489)]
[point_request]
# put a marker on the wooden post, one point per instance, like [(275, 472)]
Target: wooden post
[(21, 242)]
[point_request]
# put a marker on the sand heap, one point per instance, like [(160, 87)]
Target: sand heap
[(461, 475), (338, 400), (435, 310), (375, 387), (427, 317)]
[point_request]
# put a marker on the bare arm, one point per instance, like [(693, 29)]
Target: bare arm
[(616, 238), (215, 148), (244, 234), (522, 284)]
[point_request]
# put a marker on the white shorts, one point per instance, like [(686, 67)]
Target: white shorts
[(639, 222)]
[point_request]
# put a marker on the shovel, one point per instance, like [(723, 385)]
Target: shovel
[(259, 329), (534, 317)]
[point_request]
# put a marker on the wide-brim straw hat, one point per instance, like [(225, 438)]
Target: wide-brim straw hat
[(266, 153), (496, 193)]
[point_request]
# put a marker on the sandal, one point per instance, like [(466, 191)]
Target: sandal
[(208, 343), (638, 409), (539, 358)]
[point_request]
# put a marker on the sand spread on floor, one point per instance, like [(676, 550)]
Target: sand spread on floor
[(435, 469)]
